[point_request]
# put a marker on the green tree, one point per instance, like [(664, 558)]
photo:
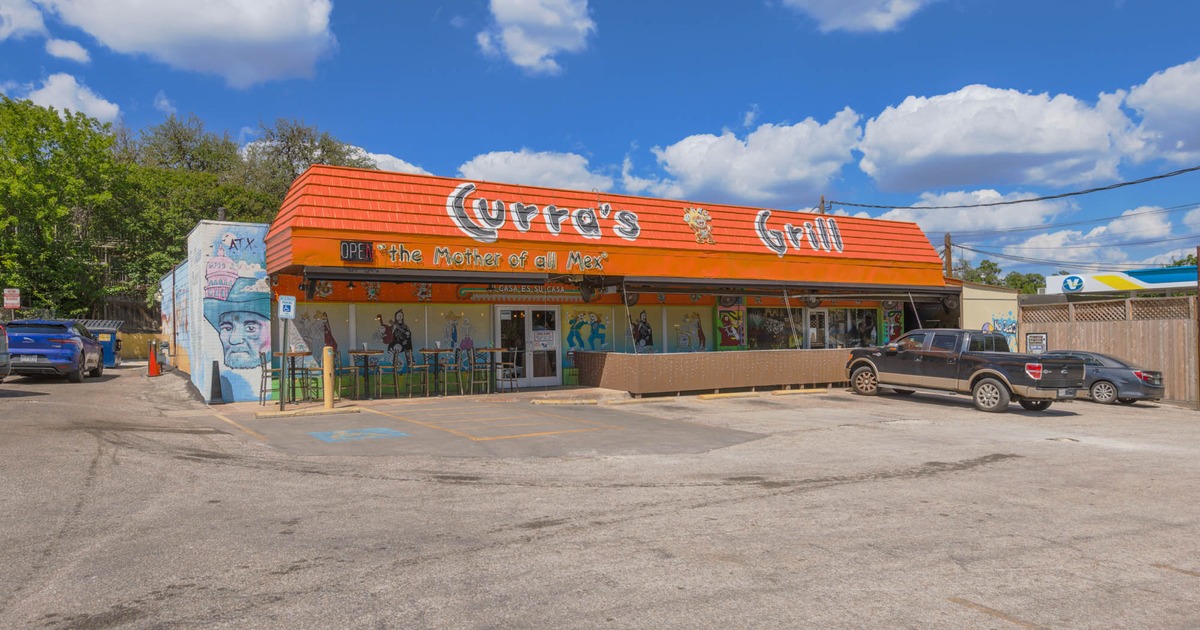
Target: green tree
[(285, 150), (1028, 283), (159, 208), (1190, 259), (185, 145), (56, 179), (987, 272)]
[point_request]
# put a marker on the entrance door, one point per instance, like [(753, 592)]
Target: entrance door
[(817, 329), (533, 332)]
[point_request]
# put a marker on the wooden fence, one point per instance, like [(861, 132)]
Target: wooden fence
[(1155, 333)]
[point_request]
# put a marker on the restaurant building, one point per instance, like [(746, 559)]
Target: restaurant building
[(643, 294)]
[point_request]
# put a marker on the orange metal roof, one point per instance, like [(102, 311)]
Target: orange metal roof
[(457, 224)]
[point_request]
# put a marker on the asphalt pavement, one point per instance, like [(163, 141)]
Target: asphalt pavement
[(130, 504)]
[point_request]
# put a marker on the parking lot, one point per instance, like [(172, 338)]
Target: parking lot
[(134, 505)]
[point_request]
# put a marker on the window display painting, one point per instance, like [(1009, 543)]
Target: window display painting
[(731, 328), (587, 329), (893, 324), (852, 327), (768, 328), (642, 331), (689, 331)]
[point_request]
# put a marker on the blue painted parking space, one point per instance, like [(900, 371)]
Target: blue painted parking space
[(354, 435)]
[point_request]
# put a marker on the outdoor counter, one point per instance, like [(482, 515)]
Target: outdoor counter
[(710, 371)]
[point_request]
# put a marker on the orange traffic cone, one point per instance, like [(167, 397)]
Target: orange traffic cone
[(153, 368)]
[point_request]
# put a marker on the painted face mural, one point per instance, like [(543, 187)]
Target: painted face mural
[(243, 336)]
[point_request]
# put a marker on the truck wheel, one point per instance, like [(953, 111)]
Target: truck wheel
[(1104, 392), (990, 395), (98, 372), (864, 382), (1036, 405)]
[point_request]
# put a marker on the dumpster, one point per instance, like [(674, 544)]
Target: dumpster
[(105, 331)]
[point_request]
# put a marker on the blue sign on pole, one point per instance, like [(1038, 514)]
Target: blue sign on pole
[(287, 307)]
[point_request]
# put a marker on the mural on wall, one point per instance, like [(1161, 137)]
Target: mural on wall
[(893, 324), (1005, 325), (731, 328), (227, 267), (595, 325), (314, 332), (690, 333), (642, 332)]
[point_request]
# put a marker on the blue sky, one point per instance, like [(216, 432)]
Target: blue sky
[(768, 103)]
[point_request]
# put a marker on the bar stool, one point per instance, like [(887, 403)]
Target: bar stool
[(391, 371), (415, 374), (452, 365), (479, 370), (370, 371), (506, 371), (269, 375)]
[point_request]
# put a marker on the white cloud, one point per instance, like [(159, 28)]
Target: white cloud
[(394, 164), (243, 42), (781, 164), (1167, 258), (1065, 246), (984, 135), (163, 104), (937, 222), (1192, 218), (1139, 224), (750, 116), (530, 33), (1170, 111), (19, 18), (64, 49), (555, 170), (655, 186), (1103, 244), (64, 92), (858, 15)]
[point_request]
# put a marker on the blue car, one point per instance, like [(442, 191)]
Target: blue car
[(54, 347), (1108, 379), (5, 361)]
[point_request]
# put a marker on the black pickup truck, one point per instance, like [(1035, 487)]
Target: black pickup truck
[(965, 362)]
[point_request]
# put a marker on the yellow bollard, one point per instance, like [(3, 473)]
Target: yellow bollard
[(327, 368)]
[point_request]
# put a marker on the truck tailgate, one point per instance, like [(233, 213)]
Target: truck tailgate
[(1059, 373)]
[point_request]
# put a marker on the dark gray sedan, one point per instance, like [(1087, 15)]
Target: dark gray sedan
[(1108, 379)]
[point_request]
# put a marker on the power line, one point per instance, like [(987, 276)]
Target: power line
[(1035, 228), (1087, 265), (1113, 244), (1031, 200)]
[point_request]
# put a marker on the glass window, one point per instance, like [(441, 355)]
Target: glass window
[(770, 328), (912, 342), (945, 342), (999, 343)]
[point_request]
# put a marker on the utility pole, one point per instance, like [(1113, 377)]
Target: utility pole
[(821, 208), (947, 259)]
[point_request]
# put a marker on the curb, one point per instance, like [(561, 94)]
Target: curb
[(305, 412), (564, 401), (793, 392), (729, 395), (638, 401)]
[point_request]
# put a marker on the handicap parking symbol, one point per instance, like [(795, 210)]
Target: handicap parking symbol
[(353, 435)]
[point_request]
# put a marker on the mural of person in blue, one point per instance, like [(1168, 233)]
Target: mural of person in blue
[(576, 322), (242, 324), (597, 331)]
